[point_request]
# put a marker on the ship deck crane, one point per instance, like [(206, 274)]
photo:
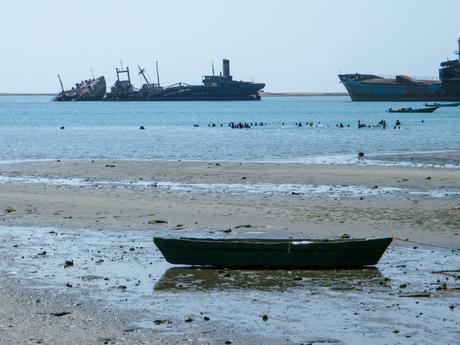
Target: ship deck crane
[(60, 82)]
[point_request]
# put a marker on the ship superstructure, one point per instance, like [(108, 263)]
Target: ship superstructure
[(213, 88)]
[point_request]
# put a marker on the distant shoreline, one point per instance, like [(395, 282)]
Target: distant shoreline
[(300, 94), (262, 94), (27, 94)]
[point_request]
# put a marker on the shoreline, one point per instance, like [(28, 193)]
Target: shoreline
[(303, 94), (436, 159), (27, 94), (229, 172)]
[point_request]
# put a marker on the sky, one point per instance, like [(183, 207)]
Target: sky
[(291, 45)]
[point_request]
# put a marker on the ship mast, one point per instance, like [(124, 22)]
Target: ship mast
[(141, 71), (158, 74), (458, 51), (60, 82)]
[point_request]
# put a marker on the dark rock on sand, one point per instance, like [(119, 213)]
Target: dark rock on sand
[(61, 313), (243, 226)]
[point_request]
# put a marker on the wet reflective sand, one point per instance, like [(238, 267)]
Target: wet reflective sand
[(412, 296)]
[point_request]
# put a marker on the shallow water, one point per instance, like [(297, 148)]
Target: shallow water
[(29, 129), (126, 271)]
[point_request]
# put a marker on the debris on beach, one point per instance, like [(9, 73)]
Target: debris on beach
[(68, 263), (161, 322), (131, 330), (423, 294), (243, 226), (61, 313), (90, 277), (9, 210), (157, 221)]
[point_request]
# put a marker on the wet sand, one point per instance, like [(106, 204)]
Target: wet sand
[(134, 206), (120, 290), (109, 205)]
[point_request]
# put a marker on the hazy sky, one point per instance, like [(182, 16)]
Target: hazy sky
[(290, 45)]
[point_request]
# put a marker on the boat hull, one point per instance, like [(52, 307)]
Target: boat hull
[(91, 90), (252, 253), (410, 110), (362, 91), (237, 91)]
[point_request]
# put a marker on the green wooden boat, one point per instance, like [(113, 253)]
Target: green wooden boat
[(272, 253)]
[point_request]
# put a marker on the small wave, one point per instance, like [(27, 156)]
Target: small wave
[(238, 188)]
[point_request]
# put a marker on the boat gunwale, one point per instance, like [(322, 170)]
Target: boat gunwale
[(272, 240)]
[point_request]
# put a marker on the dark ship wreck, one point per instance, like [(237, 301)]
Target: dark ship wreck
[(370, 87), (213, 88), (87, 90)]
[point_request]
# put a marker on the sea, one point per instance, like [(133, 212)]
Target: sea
[(34, 128)]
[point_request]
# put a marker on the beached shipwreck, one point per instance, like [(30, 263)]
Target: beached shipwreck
[(87, 90), (220, 87)]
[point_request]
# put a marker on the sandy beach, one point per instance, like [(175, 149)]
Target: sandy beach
[(146, 197), (104, 204)]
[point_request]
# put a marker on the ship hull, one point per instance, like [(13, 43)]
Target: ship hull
[(93, 90), (360, 91), (92, 98), (247, 92)]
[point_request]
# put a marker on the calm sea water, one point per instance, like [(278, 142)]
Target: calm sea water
[(30, 129)]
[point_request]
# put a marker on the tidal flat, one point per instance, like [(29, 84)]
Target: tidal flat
[(117, 281), (79, 264)]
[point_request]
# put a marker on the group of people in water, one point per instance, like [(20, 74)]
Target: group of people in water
[(381, 124), (234, 125), (240, 125)]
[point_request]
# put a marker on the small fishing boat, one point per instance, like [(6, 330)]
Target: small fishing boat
[(273, 253), (413, 110), (442, 105)]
